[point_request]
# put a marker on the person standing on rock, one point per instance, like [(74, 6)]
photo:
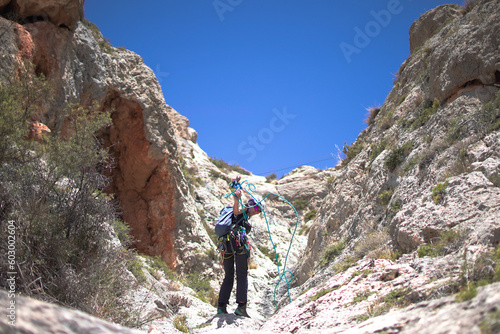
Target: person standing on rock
[(236, 252)]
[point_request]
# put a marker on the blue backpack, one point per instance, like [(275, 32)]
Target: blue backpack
[(225, 223)]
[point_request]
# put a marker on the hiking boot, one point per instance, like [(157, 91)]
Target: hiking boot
[(222, 309), (242, 310)]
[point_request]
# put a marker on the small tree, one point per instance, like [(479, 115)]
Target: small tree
[(52, 192)]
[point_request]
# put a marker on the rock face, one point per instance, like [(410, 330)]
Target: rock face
[(33, 317), (430, 23), (62, 13), (425, 182), (82, 68)]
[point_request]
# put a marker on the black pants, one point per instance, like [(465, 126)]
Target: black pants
[(240, 257)]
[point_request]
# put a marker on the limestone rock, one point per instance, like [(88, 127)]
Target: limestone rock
[(181, 124), (430, 22), (60, 12), (305, 182), (33, 317)]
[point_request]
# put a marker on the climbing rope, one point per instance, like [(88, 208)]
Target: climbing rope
[(283, 273)]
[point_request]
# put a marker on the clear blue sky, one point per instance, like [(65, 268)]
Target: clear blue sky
[(268, 83)]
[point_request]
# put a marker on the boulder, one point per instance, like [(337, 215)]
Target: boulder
[(32, 316)]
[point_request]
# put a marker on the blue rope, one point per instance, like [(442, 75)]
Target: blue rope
[(250, 188)]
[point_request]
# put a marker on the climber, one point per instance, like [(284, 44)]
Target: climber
[(237, 251)]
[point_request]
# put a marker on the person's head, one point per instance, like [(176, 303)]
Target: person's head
[(253, 207)]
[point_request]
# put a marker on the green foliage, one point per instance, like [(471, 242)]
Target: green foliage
[(134, 265), (122, 231), (438, 192), (397, 155), (180, 323), (202, 287), (221, 164), (53, 192), (320, 294), (351, 151), (426, 113), (374, 245), (331, 252), (310, 215), (395, 299), (377, 148), (481, 123), (361, 296), (156, 263), (490, 324), (447, 242), (347, 263), (427, 250), (18, 102), (330, 181), (466, 293), (300, 204), (385, 197)]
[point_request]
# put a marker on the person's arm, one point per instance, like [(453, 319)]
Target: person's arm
[(236, 205)]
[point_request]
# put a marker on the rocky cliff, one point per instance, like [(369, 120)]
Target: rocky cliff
[(400, 237), (82, 68)]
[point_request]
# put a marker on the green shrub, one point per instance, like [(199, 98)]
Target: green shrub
[(438, 192), (310, 215), (373, 245), (330, 181), (157, 263), (397, 155), (53, 191), (347, 263), (202, 287), (180, 323), (134, 265), (331, 252), (447, 242), (427, 250), (385, 197), (300, 204), (351, 151), (320, 294), (425, 114), (490, 324), (466, 293), (221, 164), (377, 148), (122, 231)]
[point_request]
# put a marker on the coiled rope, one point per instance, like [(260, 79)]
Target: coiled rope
[(283, 273)]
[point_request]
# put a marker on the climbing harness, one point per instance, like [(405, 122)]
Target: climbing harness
[(284, 275)]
